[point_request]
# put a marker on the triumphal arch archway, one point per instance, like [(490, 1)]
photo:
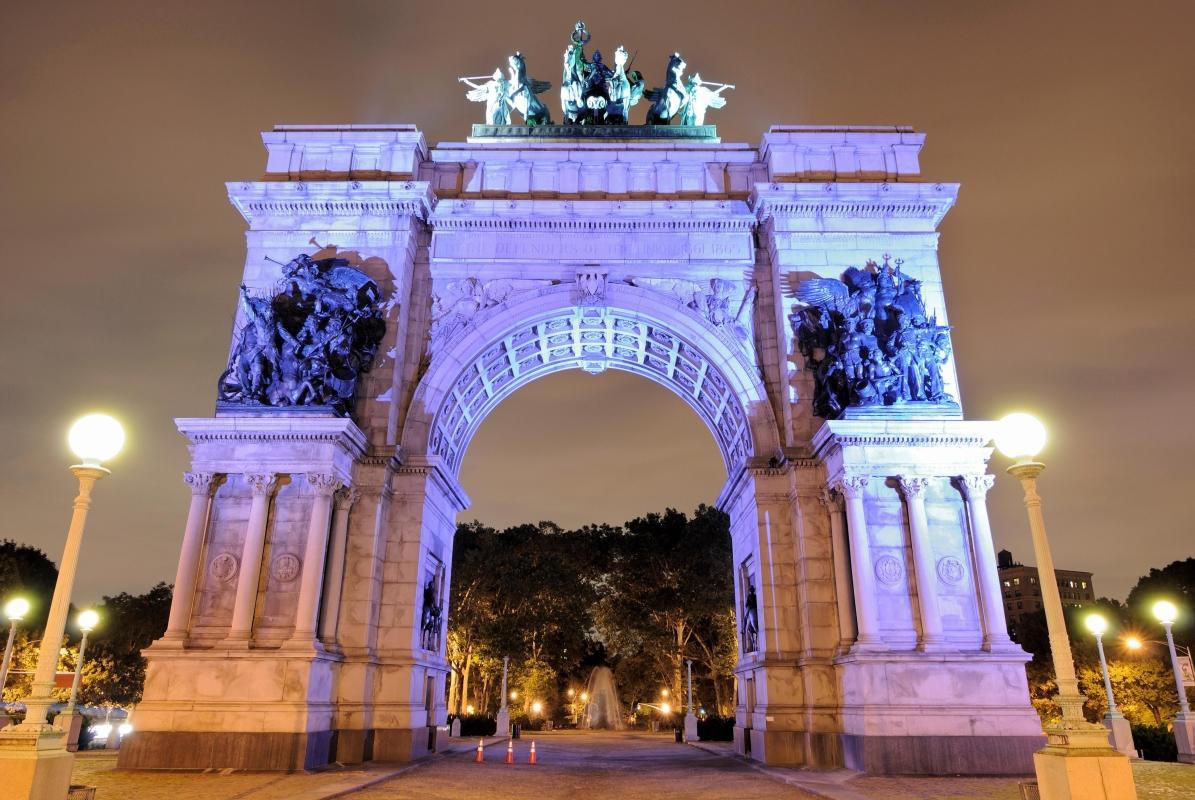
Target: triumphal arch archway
[(394, 293)]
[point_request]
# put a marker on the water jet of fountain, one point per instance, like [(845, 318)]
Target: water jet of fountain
[(603, 709)]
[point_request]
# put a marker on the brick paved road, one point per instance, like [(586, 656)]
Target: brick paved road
[(592, 764)]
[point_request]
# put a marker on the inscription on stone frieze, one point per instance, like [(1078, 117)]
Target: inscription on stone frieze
[(592, 246)]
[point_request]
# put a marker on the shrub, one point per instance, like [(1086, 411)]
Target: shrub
[(477, 725), (1155, 742), (715, 729)]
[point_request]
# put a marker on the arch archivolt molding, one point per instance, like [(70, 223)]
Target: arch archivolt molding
[(629, 328)]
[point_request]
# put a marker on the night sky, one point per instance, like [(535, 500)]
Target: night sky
[(1066, 262)]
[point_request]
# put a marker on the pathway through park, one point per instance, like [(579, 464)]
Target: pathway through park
[(574, 765)]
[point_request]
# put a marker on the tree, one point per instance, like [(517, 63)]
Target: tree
[(1144, 690), (1174, 582), (27, 572), (114, 670)]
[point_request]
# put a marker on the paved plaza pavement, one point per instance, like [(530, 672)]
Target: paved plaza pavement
[(576, 766)]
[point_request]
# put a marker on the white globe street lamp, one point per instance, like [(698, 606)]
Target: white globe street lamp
[(87, 620), (1114, 721), (94, 438), (15, 609), (1077, 752), (1184, 723)]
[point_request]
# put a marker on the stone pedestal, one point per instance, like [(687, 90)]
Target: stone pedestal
[(690, 728), (34, 764), (1079, 765), (1121, 734), (455, 730), (503, 726), (70, 722), (1184, 737)]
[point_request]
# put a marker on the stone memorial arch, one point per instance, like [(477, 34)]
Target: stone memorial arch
[(394, 294)]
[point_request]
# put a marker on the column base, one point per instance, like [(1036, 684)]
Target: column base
[(1073, 767), (691, 728), (34, 764), (1184, 737), (71, 723), (278, 751), (503, 722), (940, 755), (936, 647)]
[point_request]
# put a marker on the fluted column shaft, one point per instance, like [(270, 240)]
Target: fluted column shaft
[(202, 485), (866, 603), (991, 598), (262, 485), (334, 579), (840, 553), (923, 561), (314, 555)]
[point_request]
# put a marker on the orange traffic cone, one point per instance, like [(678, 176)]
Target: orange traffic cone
[(480, 751), (531, 758), (510, 751)]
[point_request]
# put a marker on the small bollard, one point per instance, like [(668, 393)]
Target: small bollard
[(680, 736)]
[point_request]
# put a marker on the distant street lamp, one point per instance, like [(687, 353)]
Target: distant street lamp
[(1184, 723), (15, 609), (87, 621), (1077, 752), (1114, 721), (94, 438), (537, 708)]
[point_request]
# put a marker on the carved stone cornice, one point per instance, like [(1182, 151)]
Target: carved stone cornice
[(599, 215), (275, 428), (260, 200), (920, 205)]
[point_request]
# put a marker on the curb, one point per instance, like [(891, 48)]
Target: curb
[(813, 787)]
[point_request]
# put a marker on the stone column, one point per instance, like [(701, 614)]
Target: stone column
[(262, 485), (342, 503), (840, 553), (307, 612), (991, 598), (866, 604), (203, 485), (923, 563)]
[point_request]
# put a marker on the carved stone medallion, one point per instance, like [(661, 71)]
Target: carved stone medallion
[(285, 567), (889, 570), (224, 567), (950, 570)]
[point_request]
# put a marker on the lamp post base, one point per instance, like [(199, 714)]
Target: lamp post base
[(1077, 763), (1121, 734), (1184, 737), (34, 764), (503, 726), (691, 727)]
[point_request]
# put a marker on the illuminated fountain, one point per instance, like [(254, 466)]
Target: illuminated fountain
[(603, 709)]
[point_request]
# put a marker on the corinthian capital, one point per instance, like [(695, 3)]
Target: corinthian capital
[(346, 498), (262, 483), (325, 484), (975, 487), (913, 486), (851, 486), (201, 483)]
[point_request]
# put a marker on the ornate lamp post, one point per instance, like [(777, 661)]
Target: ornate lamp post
[(1184, 723), (87, 621), (1077, 759), (38, 762), (15, 609), (691, 714), (95, 438), (1114, 721)]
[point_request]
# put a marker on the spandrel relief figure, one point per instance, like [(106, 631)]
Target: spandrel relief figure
[(307, 343), (868, 341), (494, 92)]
